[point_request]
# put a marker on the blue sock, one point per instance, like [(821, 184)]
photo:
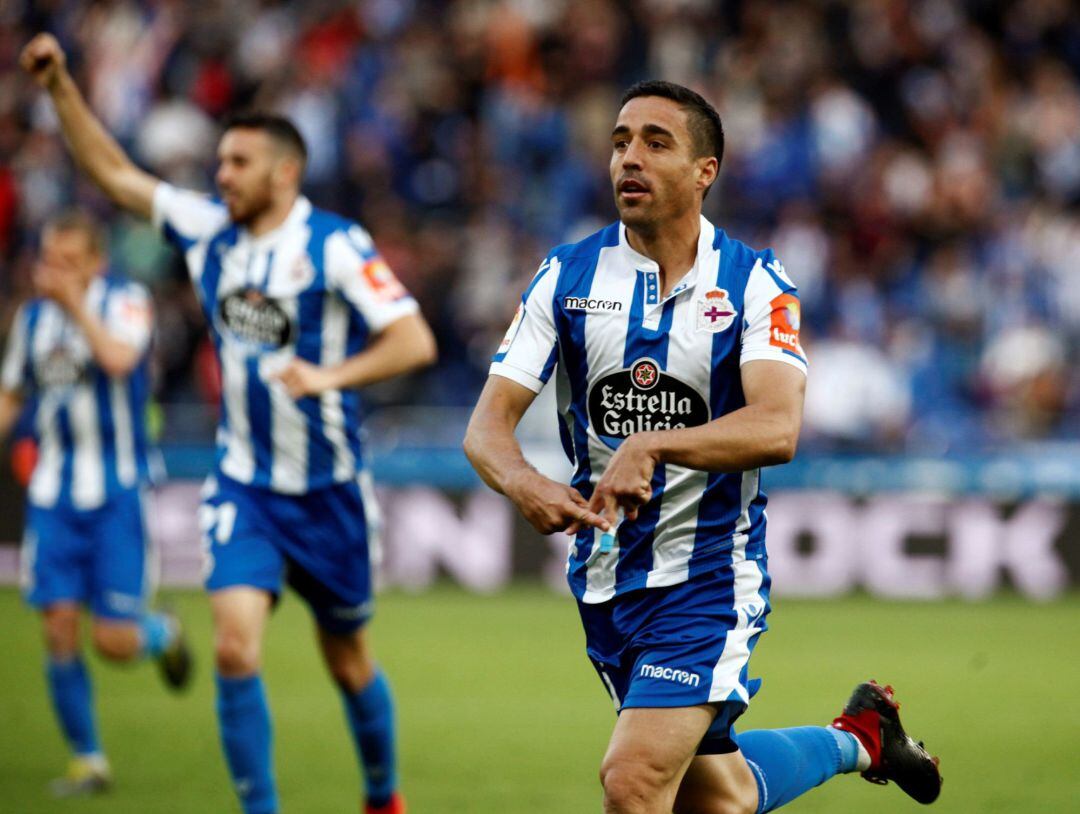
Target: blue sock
[(157, 634), (247, 738), (789, 762), (371, 719), (73, 701)]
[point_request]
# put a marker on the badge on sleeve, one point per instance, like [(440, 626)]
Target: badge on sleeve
[(511, 332), (381, 280), (715, 311)]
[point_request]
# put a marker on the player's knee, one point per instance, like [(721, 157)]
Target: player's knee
[(116, 642), (235, 655), (61, 634), (351, 668), (631, 786)]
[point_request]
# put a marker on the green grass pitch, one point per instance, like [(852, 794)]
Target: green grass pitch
[(500, 713)]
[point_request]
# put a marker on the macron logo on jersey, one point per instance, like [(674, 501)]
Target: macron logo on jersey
[(670, 674), (591, 304)]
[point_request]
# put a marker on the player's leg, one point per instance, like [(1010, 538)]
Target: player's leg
[(331, 567), (243, 575), (369, 710), (55, 582), (650, 751), (123, 628), (717, 784), (240, 614)]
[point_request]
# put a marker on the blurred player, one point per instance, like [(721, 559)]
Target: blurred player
[(302, 310), (80, 352), (679, 374)]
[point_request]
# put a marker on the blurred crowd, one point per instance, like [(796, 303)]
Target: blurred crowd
[(914, 163)]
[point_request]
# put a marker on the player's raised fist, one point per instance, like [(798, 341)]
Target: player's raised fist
[(43, 59)]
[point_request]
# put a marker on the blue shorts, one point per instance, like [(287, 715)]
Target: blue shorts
[(321, 543), (96, 557), (684, 645)]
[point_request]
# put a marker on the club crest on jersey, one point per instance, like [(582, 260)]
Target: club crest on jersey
[(642, 398), (715, 311), (255, 320)]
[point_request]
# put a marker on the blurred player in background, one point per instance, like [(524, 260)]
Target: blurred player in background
[(302, 310), (679, 374), (80, 352)]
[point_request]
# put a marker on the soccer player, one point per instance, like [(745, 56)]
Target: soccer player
[(679, 374), (80, 353), (302, 311)]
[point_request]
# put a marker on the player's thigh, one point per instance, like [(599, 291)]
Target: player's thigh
[(651, 749), (717, 784), (55, 565), (119, 582), (239, 614), (240, 537), (330, 552)]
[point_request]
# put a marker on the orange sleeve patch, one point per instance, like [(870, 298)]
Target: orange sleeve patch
[(381, 280), (785, 320)]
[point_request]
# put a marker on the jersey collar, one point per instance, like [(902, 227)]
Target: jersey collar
[(301, 210), (650, 268)]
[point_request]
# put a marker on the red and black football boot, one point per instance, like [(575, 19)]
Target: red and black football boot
[(872, 715), (395, 806)]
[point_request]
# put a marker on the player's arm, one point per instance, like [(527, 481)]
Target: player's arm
[(763, 433), (96, 152), (11, 403), (113, 354), (12, 375), (405, 345), (495, 454)]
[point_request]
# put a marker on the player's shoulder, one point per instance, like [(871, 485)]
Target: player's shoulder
[(338, 230), (747, 262), (117, 282), (588, 247)]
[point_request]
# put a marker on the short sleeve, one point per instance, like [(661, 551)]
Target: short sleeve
[(185, 217), (772, 316), (13, 372), (356, 271), (529, 351), (130, 316)]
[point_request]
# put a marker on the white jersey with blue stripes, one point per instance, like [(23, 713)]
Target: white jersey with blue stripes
[(90, 427), (626, 360), (313, 288)]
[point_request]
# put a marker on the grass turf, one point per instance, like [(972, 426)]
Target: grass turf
[(500, 712)]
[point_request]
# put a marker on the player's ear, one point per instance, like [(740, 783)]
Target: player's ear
[(707, 169)]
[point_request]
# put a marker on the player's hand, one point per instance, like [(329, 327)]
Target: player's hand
[(550, 506), (43, 59), (62, 285), (301, 378), (627, 480)]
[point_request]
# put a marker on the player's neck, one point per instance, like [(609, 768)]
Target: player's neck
[(673, 247), (272, 217)]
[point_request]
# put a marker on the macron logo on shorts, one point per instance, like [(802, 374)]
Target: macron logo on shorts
[(670, 674)]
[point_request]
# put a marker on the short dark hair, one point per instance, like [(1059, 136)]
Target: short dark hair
[(706, 129), (79, 220), (279, 128)]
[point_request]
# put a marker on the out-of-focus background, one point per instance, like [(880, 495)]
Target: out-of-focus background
[(915, 164)]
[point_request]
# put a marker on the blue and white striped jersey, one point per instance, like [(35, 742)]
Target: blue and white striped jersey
[(314, 288), (626, 360), (90, 427)]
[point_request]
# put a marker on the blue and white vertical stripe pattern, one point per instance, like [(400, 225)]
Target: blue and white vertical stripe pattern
[(629, 359), (90, 427), (314, 288)]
